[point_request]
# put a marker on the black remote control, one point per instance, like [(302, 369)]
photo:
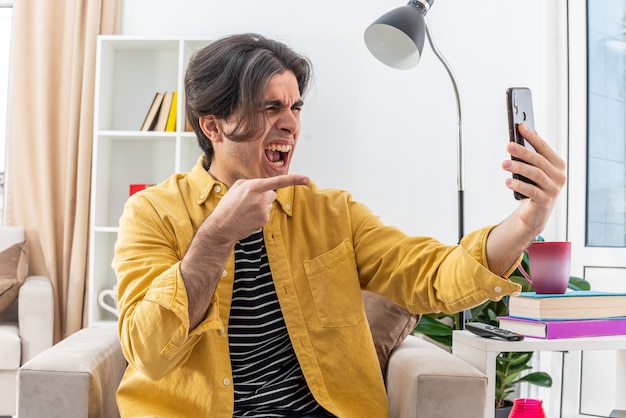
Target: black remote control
[(489, 331)]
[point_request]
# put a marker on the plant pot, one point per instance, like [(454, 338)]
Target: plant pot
[(504, 411)]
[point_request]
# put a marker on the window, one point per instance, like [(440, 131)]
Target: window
[(596, 218), (606, 131), (6, 15)]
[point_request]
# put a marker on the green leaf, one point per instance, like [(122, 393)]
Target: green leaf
[(517, 277), (434, 329), (578, 283), (500, 375), (430, 326), (520, 358), (501, 394), (511, 378), (537, 378)]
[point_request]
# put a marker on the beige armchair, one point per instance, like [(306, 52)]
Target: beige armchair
[(26, 324), (78, 377)]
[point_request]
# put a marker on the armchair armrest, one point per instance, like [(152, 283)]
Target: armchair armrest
[(78, 377), (35, 309), (425, 381)]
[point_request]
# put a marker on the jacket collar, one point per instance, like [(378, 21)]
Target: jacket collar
[(203, 185)]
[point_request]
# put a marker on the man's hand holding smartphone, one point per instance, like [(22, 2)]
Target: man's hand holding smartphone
[(513, 235), (520, 110), (539, 163)]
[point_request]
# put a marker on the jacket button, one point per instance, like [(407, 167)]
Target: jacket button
[(226, 381)]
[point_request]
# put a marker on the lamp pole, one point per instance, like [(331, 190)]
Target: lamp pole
[(459, 151), (459, 145)]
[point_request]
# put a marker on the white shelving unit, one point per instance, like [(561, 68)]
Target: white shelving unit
[(129, 71)]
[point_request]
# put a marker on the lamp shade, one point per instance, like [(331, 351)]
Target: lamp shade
[(397, 37)]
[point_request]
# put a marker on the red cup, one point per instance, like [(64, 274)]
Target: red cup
[(527, 408), (549, 264)]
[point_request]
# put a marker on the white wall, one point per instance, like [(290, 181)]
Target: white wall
[(389, 136)]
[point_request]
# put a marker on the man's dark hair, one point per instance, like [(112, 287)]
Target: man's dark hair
[(232, 74)]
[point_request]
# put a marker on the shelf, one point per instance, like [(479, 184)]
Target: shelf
[(105, 229), (129, 72), (127, 135)]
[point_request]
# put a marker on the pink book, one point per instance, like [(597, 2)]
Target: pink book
[(553, 329)]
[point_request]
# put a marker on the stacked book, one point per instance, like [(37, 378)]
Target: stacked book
[(572, 314), (161, 115)]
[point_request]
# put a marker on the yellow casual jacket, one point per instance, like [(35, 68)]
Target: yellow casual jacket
[(323, 247)]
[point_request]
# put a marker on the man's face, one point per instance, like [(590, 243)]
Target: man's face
[(270, 153)]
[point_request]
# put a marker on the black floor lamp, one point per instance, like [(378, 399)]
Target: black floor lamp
[(397, 40)]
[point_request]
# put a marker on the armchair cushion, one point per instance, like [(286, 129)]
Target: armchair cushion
[(13, 270), (425, 381), (10, 346), (77, 377), (389, 323)]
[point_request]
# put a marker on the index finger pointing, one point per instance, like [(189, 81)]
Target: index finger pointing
[(286, 180)]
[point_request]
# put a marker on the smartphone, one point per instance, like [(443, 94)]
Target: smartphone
[(519, 104)]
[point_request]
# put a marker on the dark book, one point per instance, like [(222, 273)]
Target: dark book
[(151, 117), (164, 112)]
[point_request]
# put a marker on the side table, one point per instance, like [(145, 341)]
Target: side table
[(482, 352)]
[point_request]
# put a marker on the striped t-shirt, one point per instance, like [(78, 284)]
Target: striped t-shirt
[(268, 381)]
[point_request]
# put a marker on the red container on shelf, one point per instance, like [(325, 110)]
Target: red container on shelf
[(527, 408), (134, 188)]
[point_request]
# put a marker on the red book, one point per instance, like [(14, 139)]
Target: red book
[(553, 329), (134, 188)]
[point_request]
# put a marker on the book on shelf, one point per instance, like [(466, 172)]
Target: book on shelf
[(171, 117), (582, 304), (554, 329), (164, 112), (153, 112), (134, 188)]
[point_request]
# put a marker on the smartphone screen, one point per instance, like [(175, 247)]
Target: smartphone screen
[(519, 103)]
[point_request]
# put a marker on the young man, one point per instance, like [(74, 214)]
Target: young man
[(239, 284)]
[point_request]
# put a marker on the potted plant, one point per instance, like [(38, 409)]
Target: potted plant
[(509, 366)]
